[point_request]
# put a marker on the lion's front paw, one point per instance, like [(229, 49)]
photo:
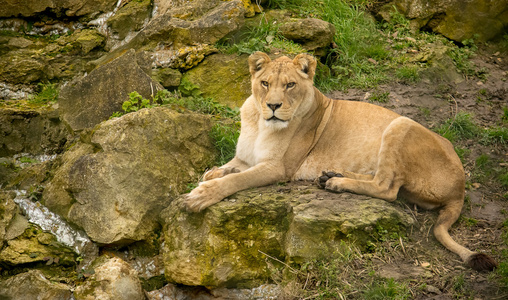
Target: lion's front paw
[(216, 172), (204, 195), (325, 177)]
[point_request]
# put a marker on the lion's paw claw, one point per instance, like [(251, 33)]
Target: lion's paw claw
[(325, 177)]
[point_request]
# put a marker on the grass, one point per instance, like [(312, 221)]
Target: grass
[(224, 133), (48, 93)]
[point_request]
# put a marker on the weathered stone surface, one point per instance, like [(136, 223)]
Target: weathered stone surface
[(130, 17), (207, 29), (33, 285), (137, 164), (230, 83), (169, 78), (113, 279), (183, 58), (34, 245), (92, 99), (7, 213), (312, 33), (171, 291), (87, 40), (456, 20), (62, 8), (228, 244), (30, 131)]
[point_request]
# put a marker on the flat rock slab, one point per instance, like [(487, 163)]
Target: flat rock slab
[(233, 243)]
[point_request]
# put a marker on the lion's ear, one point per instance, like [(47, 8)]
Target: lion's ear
[(306, 63), (257, 60)]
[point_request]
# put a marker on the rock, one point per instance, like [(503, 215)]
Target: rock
[(31, 131), (208, 28), (440, 67), (112, 279), (34, 245), (91, 99), (132, 168), (7, 213), (69, 8), (130, 17), (183, 58), (229, 244), (312, 33), (225, 78), (33, 285), (171, 291), (87, 40), (456, 20), (167, 77)]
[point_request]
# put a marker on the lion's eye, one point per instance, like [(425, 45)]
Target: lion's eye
[(264, 83), (290, 85)]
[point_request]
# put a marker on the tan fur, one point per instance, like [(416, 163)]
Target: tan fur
[(380, 153)]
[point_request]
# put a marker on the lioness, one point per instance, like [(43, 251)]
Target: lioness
[(291, 131)]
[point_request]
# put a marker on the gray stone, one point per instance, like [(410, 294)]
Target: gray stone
[(312, 33), (31, 131), (89, 100)]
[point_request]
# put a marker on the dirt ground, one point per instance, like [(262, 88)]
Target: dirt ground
[(421, 257)]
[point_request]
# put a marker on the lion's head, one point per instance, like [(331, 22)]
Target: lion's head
[(283, 88)]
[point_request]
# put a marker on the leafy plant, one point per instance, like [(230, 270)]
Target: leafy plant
[(135, 103)]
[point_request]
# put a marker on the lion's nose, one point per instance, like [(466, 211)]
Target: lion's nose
[(274, 107)]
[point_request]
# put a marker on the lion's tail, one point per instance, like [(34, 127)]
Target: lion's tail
[(447, 216)]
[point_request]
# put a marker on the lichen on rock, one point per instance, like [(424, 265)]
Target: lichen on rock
[(228, 244)]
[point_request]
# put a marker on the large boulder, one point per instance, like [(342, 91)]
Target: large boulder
[(225, 78), (228, 244), (115, 182), (313, 34), (165, 30), (91, 99), (33, 285), (457, 20)]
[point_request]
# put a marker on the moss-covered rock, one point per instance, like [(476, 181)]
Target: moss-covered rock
[(88, 39), (230, 80), (228, 244), (113, 184), (130, 17), (33, 285), (34, 245), (456, 20)]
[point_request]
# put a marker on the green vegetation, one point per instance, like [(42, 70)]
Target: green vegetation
[(458, 128), (224, 133), (379, 96), (263, 37), (47, 93)]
